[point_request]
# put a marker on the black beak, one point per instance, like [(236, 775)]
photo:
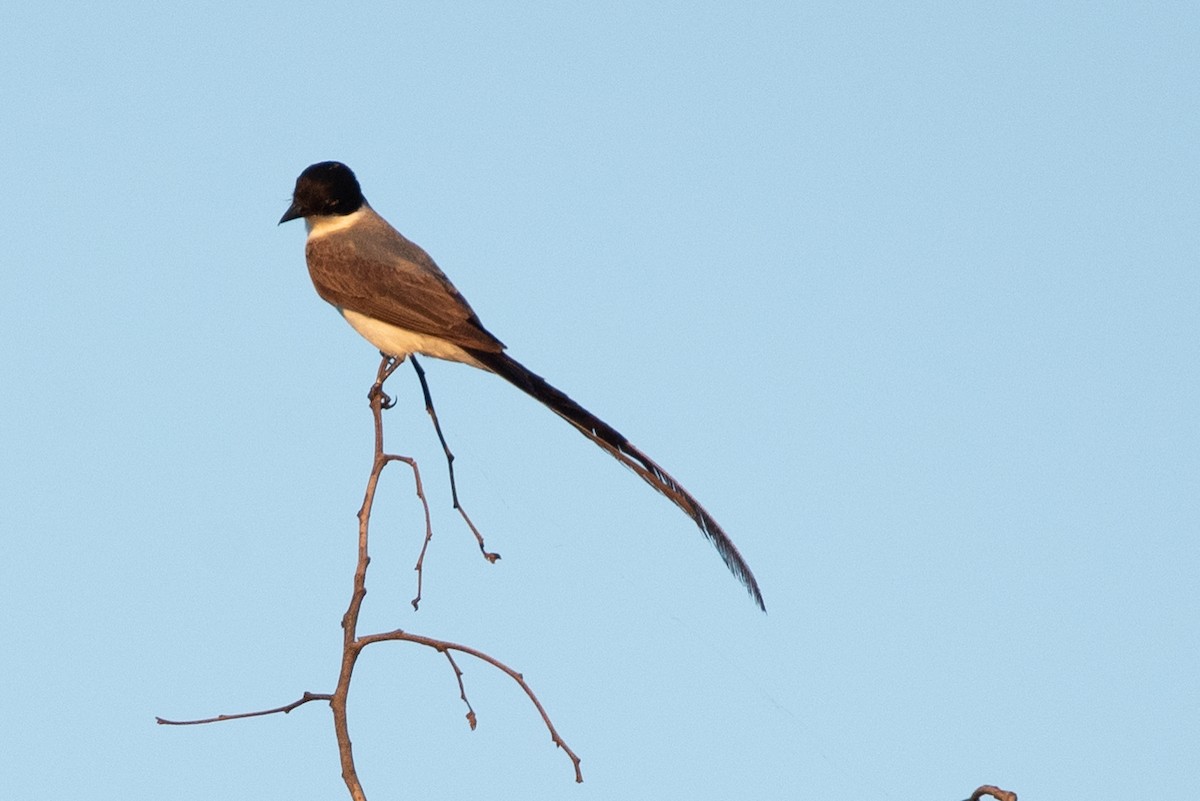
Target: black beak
[(293, 213)]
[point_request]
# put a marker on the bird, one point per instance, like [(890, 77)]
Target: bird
[(393, 294)]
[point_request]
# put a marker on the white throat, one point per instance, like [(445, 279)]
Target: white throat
[(326, 224)]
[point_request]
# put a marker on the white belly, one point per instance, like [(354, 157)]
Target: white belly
[(400, 342)]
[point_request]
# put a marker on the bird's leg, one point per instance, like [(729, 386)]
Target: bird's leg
[(491, 557), (386, 367)]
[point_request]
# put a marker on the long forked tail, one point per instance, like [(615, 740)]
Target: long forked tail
[(624, 452)]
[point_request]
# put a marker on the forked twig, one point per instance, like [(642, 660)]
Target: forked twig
[(445, 647), (352, 644)]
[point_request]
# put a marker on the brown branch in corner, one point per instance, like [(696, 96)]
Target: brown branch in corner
[(994, 792)]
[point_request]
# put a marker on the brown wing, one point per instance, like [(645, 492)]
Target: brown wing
[(372, 269)]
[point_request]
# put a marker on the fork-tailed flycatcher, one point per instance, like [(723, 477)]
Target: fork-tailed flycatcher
[(393, 294)]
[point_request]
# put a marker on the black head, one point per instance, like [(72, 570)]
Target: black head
[(325, 189)]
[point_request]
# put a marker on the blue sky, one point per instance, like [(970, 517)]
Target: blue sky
[(906, 294)]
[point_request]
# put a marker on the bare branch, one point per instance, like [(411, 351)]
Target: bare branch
[(462, 691), (994, 792), (352, 644), (444, 646), (420, 566), (304, 699), (350, 650)]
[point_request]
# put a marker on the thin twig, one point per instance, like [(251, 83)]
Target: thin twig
[(462, 691), (444, 646), (304, 699), (420, 566), (489, 555)]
